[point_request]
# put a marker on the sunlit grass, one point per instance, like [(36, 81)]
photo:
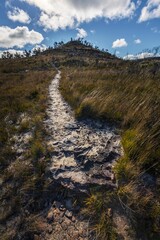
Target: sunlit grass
[(23, 100), (126, 94)]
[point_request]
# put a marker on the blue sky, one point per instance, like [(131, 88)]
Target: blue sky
[(126, 27)]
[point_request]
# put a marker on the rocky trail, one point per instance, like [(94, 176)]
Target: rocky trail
[(84, 153)]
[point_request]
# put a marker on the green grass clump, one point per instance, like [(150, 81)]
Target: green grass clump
[(37, 149), (98, 208)]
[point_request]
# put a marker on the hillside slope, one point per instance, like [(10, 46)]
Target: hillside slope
[(23, 159), (97, 85), (128, 94)]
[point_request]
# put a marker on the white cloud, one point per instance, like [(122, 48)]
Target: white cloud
[(57, 14), (12, 51), (150, 11), (55, 22), (119, 43), (42, 47), (145, 55), (129, 57), (81, 33), (137, 41), (140, 56), (18, 37), (18, 15)]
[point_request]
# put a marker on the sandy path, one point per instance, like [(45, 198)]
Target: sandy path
[(84, 154)]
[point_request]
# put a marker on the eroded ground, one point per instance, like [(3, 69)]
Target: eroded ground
[(83, 155)]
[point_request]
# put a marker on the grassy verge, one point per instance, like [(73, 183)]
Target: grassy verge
[(23, 160), (127, 93)]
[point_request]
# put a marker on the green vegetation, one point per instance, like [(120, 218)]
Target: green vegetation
[(128, 94), (99, 209), (98, 85), (23, 96)]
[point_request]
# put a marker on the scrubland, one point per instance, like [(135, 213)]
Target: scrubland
[(23, 159), (126, 93)]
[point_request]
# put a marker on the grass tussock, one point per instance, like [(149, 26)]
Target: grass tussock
[(99, 210)]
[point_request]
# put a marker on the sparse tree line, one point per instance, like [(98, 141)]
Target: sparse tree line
[(155, 51), (25, 53), (88, 44), (150, 53), (38, 51)]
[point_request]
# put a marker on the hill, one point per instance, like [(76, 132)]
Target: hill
[(97, 85), (126, 93), (78, 53)]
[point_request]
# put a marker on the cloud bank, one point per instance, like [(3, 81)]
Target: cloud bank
[(18, 37), (142, 55), (60, 14)]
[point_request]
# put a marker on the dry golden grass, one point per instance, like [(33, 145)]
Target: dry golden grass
[(127, 94), (23, 92)]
